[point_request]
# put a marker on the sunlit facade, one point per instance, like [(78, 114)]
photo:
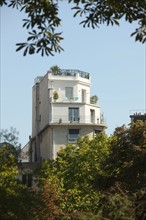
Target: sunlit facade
[(62, 111)]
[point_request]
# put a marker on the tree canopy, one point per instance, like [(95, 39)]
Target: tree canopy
[(16, 200), (43, 20), (10, 139), (103, 178)]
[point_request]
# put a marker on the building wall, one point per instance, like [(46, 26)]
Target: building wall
[(43, 103), (60, 111), (33, 110), (46, 144), (96, 109), (60, 136), (60, 83), (50, 121), (59, 86)]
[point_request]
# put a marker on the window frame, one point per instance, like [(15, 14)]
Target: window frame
[(72, 135), (69, 94), (27, 179), (73, 114)]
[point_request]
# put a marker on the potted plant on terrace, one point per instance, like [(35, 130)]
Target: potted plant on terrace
[(55, 95), (55, 70)]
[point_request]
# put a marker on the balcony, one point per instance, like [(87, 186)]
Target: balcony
[(70, 75), (75, 99), (82, 119)]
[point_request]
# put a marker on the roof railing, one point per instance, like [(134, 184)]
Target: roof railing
[(71, 72)]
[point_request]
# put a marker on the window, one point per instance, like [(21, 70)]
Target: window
[(69, 92), (73, 114), (83, 95), (92, 115), (27, 179), (73, 134), (97, 132)]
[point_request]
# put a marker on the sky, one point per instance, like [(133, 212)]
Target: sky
[(116, 62)]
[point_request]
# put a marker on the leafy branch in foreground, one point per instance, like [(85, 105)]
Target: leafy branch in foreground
[(42, 20), (41, 23), (109, 12)]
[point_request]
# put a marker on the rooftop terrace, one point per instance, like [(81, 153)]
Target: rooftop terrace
[(64, 72), (71, 72)]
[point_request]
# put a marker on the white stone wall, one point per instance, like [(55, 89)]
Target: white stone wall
[(60, 136), (53, 132), (46, 144), (60, 111), (33, 110), (43, 103)]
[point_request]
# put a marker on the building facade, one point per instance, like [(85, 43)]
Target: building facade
[(62, 111), (138, 116)]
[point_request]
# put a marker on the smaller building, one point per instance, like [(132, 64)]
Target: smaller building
[(26, 173), (24, 157), (138, 116)]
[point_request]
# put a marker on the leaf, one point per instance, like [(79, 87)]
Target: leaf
[(116, 22), (25, 51), (31, 38), (21, 46), (133, 33), (77, 12)]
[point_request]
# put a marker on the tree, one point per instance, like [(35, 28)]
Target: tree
[(11, 139), (48, 202), (42, 20), (16, 200), (103, 178), (75, 169), (55, 69), (125, 166), (127, 159)]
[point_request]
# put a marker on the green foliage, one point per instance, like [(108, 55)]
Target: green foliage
[(10, 137), (75, 169), (15, 198), (55, 69), (116, 205), (42, 20), (103, 178), (55, 95), (93, 99), (127, 159), (110, 12), (49, 199)]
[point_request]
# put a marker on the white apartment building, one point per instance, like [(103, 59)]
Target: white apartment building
[(56, 122)]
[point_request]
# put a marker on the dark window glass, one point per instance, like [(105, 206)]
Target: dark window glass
[(73, 134), (27, 179), (73, 114), (24, 179)]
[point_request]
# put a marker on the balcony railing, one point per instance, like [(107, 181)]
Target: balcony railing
[(75, 99), (82, 119), (72, 72)]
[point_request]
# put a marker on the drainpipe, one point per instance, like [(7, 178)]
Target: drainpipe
[(37, 122), (52, 145)]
